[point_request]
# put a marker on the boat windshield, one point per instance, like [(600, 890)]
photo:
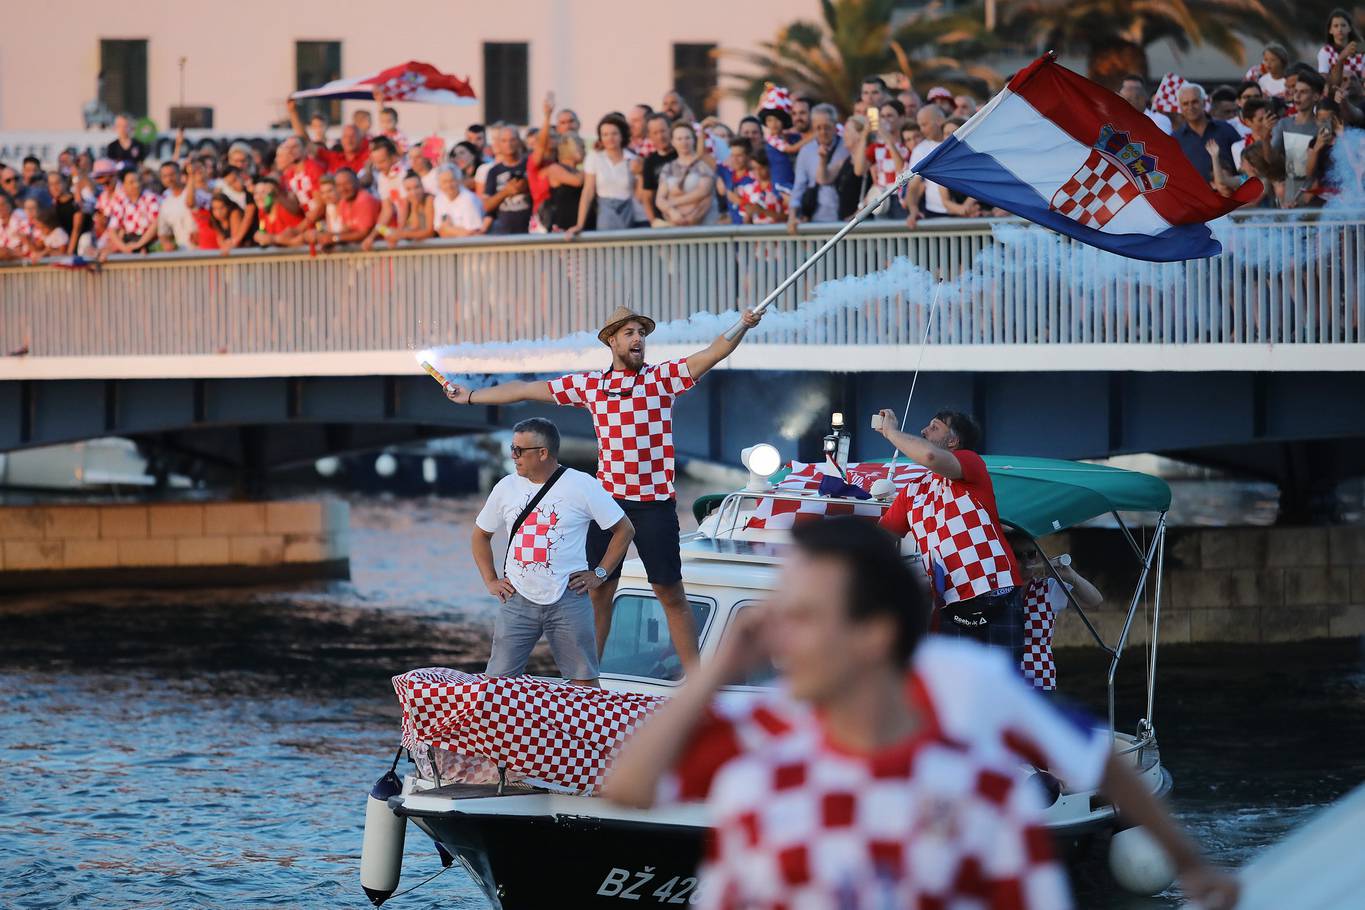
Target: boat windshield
[(639, 644)]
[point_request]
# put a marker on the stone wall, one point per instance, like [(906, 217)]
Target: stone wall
[(1228, 584), (172, 543)]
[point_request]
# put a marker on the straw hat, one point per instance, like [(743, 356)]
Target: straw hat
[(620, 318)]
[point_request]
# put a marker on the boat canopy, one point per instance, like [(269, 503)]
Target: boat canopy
[(1043, 496)]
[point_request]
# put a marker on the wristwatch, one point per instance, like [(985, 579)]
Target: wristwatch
[(600, 573)]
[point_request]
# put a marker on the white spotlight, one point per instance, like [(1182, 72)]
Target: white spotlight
[(385, 465), (763, 461)]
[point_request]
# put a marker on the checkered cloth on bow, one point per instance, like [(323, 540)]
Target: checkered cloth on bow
[(551, 733), (1167, 97), (784, 514), (632, 414), (958, 539), (1043, 600), (927, 823), (1096, 192)]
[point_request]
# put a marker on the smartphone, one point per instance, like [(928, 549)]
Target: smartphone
[(873, 115), (876, 421)]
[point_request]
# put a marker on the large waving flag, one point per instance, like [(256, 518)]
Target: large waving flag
[(421, 83), (1059, 150)]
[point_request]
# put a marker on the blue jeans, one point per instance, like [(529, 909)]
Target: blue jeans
[(567, 625)]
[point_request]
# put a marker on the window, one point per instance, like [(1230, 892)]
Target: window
[(764, 674), (639, 644), (505, 88), (694, 76), (317, 63), (123, 68)]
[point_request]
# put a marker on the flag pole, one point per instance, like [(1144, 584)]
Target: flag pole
[(736, 330)]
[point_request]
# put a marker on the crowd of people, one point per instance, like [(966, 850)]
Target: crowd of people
[(795, 160)]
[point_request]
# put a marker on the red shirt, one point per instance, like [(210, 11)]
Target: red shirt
[(537, 181), (335, 161), (278, 219), (360, 213)]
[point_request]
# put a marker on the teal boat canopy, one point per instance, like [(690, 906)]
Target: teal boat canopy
[(1042, 496)]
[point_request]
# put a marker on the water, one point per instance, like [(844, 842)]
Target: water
[(212, 749)]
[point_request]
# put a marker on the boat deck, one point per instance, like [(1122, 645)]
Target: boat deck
[(479, 791)]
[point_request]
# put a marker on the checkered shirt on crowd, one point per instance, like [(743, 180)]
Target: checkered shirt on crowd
[(137, 217), (632, 414), (885, 171), (1354, 65), (1166, 99), (932, 822), (303, 180), (110, 203), (553, 734), (770, 206), (1044, 598), (963, 554), (642, 147)]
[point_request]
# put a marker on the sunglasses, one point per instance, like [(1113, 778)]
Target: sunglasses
[(517, 450), (9, 180)]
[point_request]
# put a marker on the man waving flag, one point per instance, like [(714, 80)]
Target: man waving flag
[(1061, 151)]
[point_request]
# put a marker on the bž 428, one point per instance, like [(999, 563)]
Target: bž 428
[(646, 885)]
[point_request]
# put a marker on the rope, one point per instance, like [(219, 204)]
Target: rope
[(421, 883), (923, 346)]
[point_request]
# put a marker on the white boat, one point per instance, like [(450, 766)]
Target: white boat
[(532, 848)]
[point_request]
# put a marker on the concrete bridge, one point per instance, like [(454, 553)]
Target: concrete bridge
[(1252, 361)]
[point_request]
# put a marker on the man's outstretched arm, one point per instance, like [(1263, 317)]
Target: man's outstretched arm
[(503, 393), (919, 450), (699, 363)]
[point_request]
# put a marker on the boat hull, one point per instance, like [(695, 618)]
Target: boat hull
[(540, 863)]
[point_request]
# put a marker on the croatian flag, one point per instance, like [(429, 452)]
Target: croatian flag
[(1061, 151), (417, 82)]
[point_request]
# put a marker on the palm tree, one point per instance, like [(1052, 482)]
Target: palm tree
[(1115, 34), (857, 38)]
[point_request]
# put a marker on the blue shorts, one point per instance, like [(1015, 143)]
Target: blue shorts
[(567, 625)]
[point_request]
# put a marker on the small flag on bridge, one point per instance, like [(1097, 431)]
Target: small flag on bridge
[(417, 82), (1061, 151)]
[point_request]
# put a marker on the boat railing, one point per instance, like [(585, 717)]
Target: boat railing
[(731, 518)]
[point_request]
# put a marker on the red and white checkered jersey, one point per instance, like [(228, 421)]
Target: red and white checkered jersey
[(956, 530), (137, 217), (551, 543), (1044, 598), (769, 206), (110, 203), (303, 180), (632, 414), (884, 168), (642, 147), (804, 478), (1354, 65), (557, 735), (800, 822)]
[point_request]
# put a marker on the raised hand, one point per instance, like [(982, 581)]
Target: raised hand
[(458, 393)]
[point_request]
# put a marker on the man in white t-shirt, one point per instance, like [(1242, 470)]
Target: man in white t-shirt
[(931, 120), (546, 577), (457, 212), (176, 225)]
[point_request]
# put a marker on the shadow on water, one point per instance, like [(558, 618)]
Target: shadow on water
[(212, 748)]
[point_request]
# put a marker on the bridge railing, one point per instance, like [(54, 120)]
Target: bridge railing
[(1283, 279)]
